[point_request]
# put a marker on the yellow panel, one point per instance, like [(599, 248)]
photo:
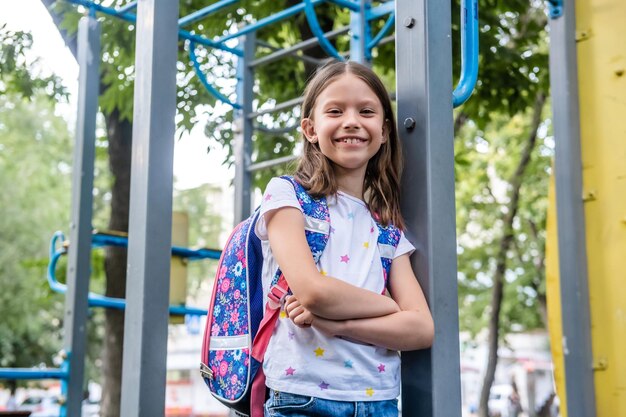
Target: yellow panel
[(553, 295), (178, 268), (602, 86)]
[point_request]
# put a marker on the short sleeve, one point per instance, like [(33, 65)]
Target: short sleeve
[(279, 193), (404, 246)]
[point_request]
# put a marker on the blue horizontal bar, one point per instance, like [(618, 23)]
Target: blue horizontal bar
[(205, 12), (380, 11), (103, 239), (267, 21), (97, 300), (33, 373), (129, 17)]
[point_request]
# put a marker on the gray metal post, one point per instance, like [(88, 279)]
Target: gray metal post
[(150, 220), (575, 308), (359, 33), (79, 256), (431, 383), (244, 128)]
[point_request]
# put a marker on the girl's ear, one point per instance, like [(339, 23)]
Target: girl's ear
[(386, 130), (308, 129)]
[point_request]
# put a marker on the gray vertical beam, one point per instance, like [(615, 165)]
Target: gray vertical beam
[(577, 352), (431, 383), (78, 267), (244, 129), (150, 219)]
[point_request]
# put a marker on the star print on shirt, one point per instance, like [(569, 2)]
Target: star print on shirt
[(347, 364), (323, 385), (371, 229), (369, 392), (323, 272), (351, 216), (381, 368), (345, 258), (366, 245), (289, 371), (291, 335), (268, 197), (319, 352), (282, 314)]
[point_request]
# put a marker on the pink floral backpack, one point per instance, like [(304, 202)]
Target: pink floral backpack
[(239, 326)]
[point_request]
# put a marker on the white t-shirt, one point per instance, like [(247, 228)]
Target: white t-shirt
[(305, 361)]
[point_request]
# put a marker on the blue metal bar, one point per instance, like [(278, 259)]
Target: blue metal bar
[(129, 17), (314, 24), (207, 42), (33, 373), (127, 7), (360, 34), (388, 25), (212, 90), (350, 4), (469, 52), (197, 15), (103, 239), (97, 300), (285, 14), (556, 8), (380, 11)]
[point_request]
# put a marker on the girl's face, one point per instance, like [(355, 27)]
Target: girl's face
[(348, 123)]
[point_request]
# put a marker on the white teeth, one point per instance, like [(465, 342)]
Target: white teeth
[(352, 140)]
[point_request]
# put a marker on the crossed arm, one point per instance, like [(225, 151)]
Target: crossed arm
[(337, 308)]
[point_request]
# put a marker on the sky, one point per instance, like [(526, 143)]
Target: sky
[(192, 165)]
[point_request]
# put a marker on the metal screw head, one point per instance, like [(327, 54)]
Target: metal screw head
[(409, 22), (409, 123)]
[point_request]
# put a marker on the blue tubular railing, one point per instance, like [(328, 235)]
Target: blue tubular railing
[(127, 7), (387, 26), (33, 373), (277, 17), (314, 25), (102, 239), (349, 4), (469, 52), (183, 21), (212, 90), (129, 17)]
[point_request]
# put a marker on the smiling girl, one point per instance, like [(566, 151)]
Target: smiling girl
[(334, 352)]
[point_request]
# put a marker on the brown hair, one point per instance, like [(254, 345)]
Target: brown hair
[(382, 178)]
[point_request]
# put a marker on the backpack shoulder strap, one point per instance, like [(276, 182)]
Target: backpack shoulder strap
[(388, 240), (316, 218)]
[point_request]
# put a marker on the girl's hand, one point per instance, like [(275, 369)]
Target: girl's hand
[(328, 327), (300, 316)]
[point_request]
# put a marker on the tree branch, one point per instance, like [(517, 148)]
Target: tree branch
[(501, 256)]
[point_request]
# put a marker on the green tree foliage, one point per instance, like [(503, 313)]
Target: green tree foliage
[(17, 73), (34, 176)]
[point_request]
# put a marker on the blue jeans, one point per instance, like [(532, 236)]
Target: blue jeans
[(284, 404)]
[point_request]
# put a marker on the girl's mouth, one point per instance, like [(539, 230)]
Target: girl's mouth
[(351, 141)]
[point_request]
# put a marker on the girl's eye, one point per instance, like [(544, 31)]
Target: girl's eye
[(368, 111), (333, 111)]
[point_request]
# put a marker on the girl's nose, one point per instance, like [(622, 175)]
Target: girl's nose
[(351, 120)]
